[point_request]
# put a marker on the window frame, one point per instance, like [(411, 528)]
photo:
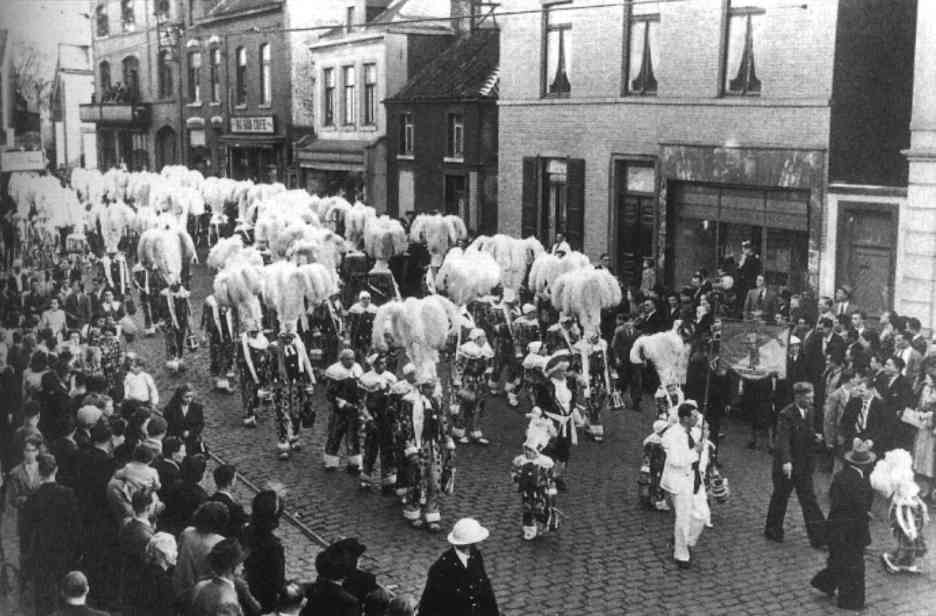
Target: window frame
[(369, 96), (328, 96), (130, 65), (632, 20), (214, 74), (127, 16), (104, 68), (732, 12), (164, 74), (193, 60), (455, 136), (551, 9), (240, 77), (266, 77), (407, 136), (348, 95), (102, 20)]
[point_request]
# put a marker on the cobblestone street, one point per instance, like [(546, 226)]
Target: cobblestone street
[(610, 557)]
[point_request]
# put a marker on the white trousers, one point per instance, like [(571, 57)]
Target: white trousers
[(682, 505), (701, 515)]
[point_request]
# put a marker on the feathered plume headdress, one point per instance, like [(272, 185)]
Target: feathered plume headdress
[(420, 326), (116, 220), (513, 255), (585, 293), (465, 276), (894, 470), (439, 232), (224, 251), (384, 238), (669, 354), (355, 222), (547, 268), (283, 291)]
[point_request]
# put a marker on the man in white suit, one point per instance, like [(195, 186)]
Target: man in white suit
[(680, 475)]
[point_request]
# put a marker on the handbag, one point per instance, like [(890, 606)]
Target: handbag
[(914, 418)]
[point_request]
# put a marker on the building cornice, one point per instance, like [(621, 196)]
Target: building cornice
[(810, 103)]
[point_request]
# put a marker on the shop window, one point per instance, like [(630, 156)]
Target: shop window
[(744, 41), (348, 102), (553, 199), (127, 17), (240, 78), (407, 133), (370, 94), (215, 74), (164, 72), (194, 77), (131, 80), (558, 51), (266, 86), (328, 99), (710, 222), (642, 52), (455, 148), (102, 20)]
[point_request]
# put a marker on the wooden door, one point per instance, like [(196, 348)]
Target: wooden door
[(867, 254)]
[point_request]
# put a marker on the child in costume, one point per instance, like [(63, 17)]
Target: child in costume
[(651, 469), (533, 473), (474, 360), (893, 478)]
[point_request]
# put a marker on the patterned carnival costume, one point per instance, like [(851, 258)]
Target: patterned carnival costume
[(473, 366), (429, 454), (398, 391), (149, 286), (292, 383), (254, 368), (893, 477), (218, 325), (361, 324), (534, 475), (345, 396), (525, 331), (595, 370), (175, 304), (377, 424), (115, 274), (555, 401)]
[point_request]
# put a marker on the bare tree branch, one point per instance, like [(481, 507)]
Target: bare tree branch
[(33, 68)]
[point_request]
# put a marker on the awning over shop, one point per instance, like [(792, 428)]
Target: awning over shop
[(333, 154), (251, 141)]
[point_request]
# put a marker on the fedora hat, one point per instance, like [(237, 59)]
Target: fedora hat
[(467, 531), (860, 452)]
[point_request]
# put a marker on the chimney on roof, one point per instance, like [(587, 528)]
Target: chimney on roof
[(463, 17)]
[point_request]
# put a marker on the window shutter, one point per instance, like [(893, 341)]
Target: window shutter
[(575, 203), (529, 209)]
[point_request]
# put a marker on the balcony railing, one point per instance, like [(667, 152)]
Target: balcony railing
[(136, 114)]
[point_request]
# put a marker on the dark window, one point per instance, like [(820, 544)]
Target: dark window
[(164, 72), (370, 94), (266, 85), (349, 19), (558, 51), (635, 203), (456, 136), (103, 23), (162, 8), (642, 54), (328, 102), (553, 199), (743, 37), (215, 74), (105, 75), (131, 78), (406, 134), (194, 77), (127, 17), (348, 102), (240, 90)]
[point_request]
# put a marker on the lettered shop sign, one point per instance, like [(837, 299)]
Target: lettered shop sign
[(246, 124)]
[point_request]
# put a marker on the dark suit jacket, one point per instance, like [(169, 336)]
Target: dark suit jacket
[(815, 356), (79, 610), (877, 427), (55, 404), (360, 584), (746, 273), (169, 475), (65, 451), (768, 306), (455, 590), (851, 496), (324, 597), (237, 517), (795, 441), (51, 528), (193, 421), (77, 310)]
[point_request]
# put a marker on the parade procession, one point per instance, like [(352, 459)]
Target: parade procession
[(467, 308)]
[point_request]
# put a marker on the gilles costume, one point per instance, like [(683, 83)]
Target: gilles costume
[(429, 455), (525, 330), (254, 367), (397, 392), (361, 324), (218, 324), (292, 382), (377, 425), (595, 370), (327, 331), (534, 474), (116, 275), (148, 286), (506, 363), (555, 401), (178, 314), (473, 366), (344, 423)]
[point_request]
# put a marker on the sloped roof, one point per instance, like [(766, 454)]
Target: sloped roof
[(225, 8), (466, 70), (404, 12)]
